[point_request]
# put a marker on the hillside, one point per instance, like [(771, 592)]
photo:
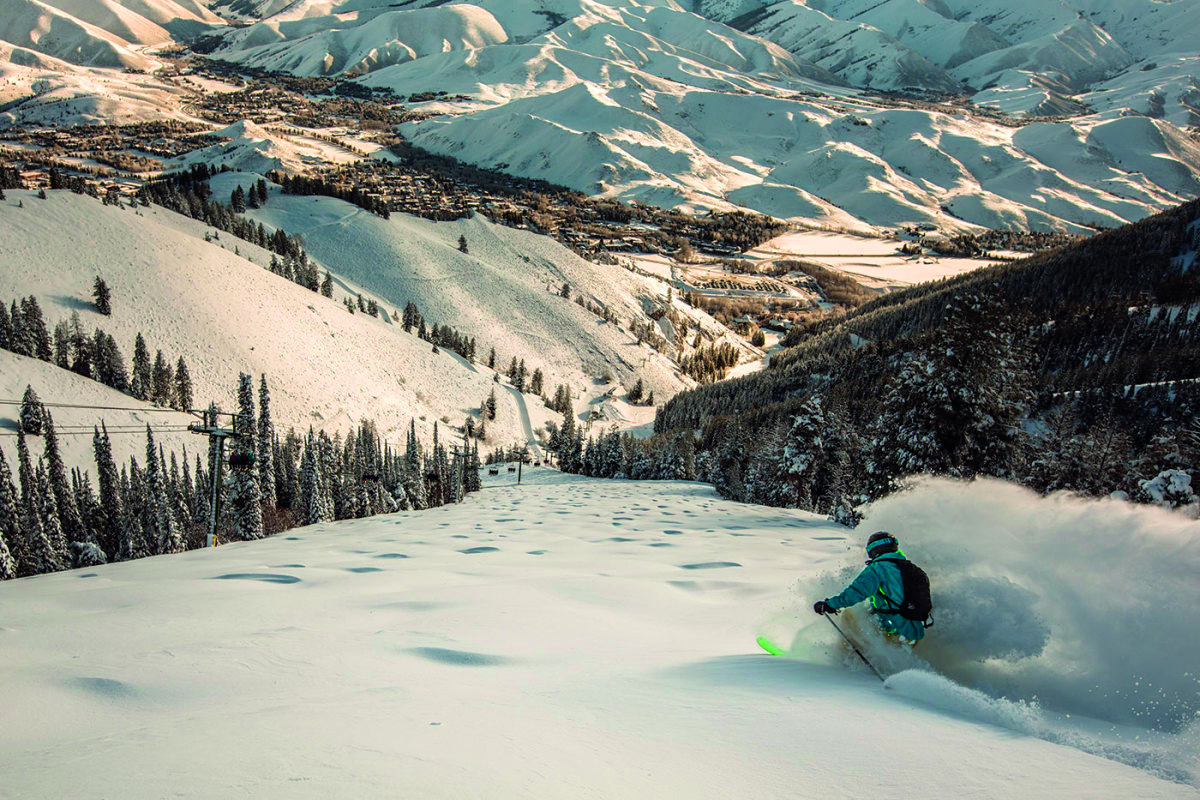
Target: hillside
[(585, 638), (635, 101), (504, 291), (1075, 369), (225, 314)]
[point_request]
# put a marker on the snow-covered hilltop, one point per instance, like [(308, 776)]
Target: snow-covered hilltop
[(759, 104)]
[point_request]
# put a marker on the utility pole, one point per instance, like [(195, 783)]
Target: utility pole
[(210, 426)]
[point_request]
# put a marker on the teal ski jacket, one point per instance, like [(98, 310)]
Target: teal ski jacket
[(882, 583)]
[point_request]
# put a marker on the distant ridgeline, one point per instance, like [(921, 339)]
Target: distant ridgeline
[(51, 521), (1075, 369)]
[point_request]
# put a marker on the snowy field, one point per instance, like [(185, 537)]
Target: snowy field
[(566, 638), (876, 262)]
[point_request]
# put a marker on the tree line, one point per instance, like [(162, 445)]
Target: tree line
[(50, 520)]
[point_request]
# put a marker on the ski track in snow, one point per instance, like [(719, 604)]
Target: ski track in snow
[(541, 640)]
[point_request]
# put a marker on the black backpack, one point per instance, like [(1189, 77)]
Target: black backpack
[(917, 604)]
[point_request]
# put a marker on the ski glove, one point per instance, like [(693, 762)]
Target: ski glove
[(821, 607)]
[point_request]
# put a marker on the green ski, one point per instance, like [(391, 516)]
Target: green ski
[(771, 647)]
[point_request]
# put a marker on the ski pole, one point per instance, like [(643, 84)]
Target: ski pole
[(854, 647)]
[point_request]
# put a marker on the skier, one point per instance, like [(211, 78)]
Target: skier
[(902, 615)]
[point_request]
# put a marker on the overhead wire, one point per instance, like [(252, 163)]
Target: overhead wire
[(96, 408)]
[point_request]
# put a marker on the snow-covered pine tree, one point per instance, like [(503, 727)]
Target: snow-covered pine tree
[(38, 335), (13, 549), (327, 285), (163, 528), (311, 490), (245, 494), (473, 482), (637, 392), (162, 381), (142, 381), (135, 541), (765, 482), (101, 296), (33, 413), (182, 395), (39, 553), (6, 329), (803, 453), (68, 512), (954, 406), (86, 553), (51, 524), (110, 511), (266, 446)]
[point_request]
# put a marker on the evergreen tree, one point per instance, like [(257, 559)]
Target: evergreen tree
[(327, 285), (110, 509), (69, 515), (6, 329), (491, 405), (491, 362), (12, 537), (35, 329), (39, 554), (462, 243), (312, 487), (62, 345), (266, 446), (102, 297), (183, 386), (162, 382), (245, 497), (537, 382), (237, 199), (51, 524), (637, 392), (134, 543), (472, 481), (33, 413), (142, 382), (23, 342), (164, 533), (954, 405)]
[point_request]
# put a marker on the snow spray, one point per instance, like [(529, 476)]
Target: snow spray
[(1048, 609)]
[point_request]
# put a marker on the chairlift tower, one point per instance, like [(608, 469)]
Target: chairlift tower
[(210, 426)]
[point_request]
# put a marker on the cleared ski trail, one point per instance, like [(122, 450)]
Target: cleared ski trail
[(564, 638), (527, 426)]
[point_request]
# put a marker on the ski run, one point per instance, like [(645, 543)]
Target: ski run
[(571, 637)]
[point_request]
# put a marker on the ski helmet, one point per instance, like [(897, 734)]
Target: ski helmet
[(881, 542)]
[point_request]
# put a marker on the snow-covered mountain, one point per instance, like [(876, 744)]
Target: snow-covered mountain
[(101, 33), (759, 105)]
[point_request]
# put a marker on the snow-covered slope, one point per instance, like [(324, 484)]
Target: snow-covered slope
[(253, 148), (225, 314), (46, 91), (102, 33), (503, 291), (361, 41), (574, 638), (39, 26), (644, 101)]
